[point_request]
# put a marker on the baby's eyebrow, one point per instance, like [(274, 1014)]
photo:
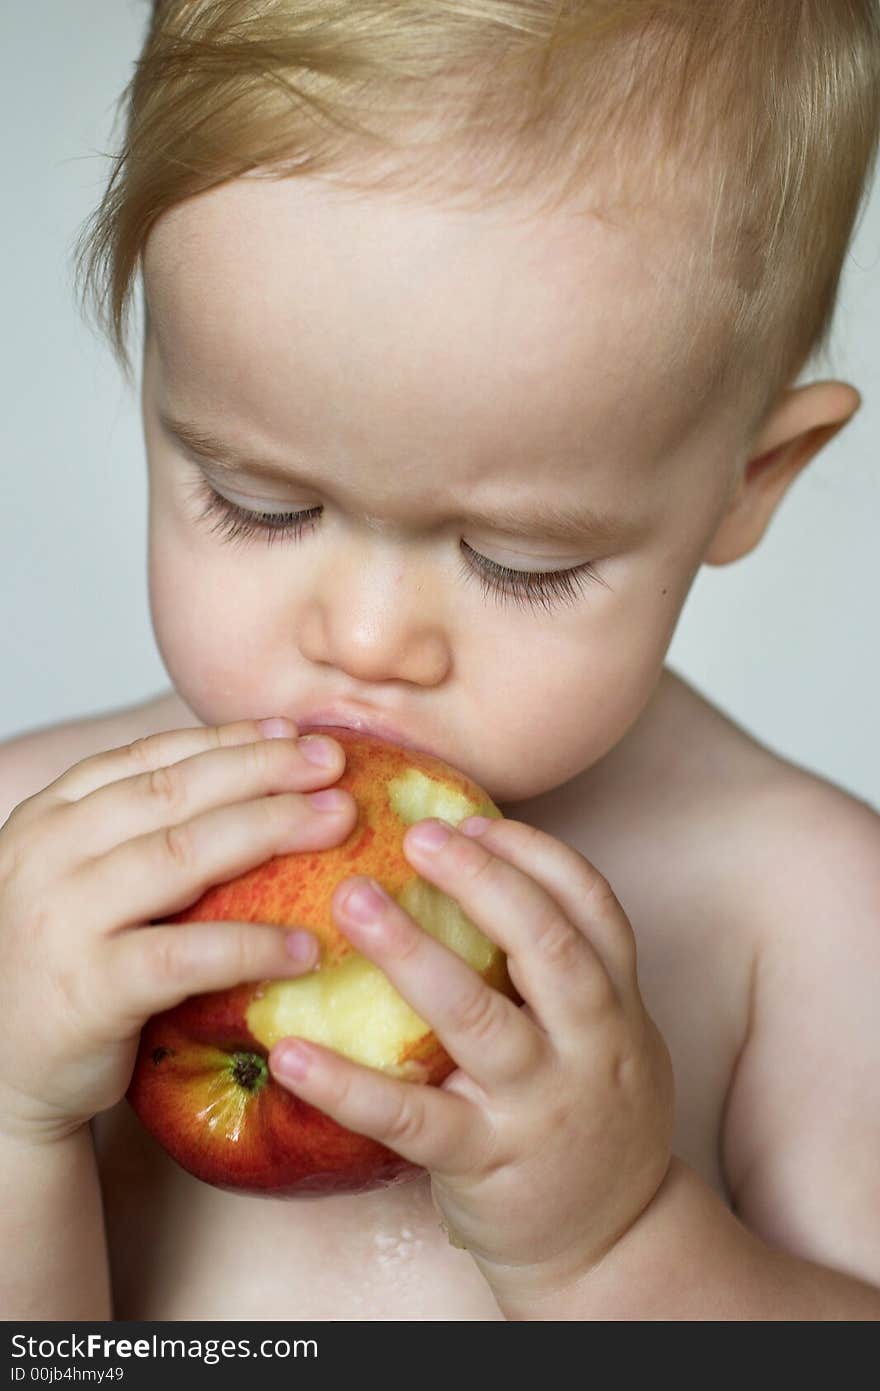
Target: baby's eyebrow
[(541, 518)]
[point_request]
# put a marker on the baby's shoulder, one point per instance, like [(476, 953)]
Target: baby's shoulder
[(774, 819), (34, 758), (717, 816)]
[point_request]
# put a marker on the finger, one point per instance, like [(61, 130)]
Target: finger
[(165, 871), (177, 792), (428, 1126), (145, 755), (155, 968), (484, 1033), (584, 895), (553, 966)]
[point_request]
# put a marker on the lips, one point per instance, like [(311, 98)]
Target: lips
[(364, 724)]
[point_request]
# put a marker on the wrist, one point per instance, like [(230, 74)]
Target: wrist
[(599, 1284), (17, 1133), (652, 1270), (689, 1257), (548, 1289)]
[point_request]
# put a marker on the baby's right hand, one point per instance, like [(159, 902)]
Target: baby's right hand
[(120, 839)]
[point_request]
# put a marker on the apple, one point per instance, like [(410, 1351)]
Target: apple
[(201, 1083)]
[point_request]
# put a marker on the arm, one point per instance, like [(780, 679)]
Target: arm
[(801, 1139), (54, 1263), (87, 866), (53, 1252), (689, 1258)]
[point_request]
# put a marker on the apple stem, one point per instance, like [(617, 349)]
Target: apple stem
[(249, 1070)]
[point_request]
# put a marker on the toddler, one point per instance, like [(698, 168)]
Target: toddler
[(471, 332)]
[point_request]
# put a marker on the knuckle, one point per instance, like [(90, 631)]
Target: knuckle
[(249, 950), (259, 758), (401, 939), (407, 1121), (164, 957), (339, 1092), (557, 940), (632, 1069), (478, 1014), (164, 786), (177, 845), (146, 752), (476, 864), (624, 1069), (598, 893)]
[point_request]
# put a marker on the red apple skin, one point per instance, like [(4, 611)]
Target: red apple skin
[(201, 1084), (280, 1146)]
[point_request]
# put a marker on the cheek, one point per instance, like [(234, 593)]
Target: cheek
[(207, 629), (552, 708)]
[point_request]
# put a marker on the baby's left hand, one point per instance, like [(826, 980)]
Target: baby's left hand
[(554, 1133)]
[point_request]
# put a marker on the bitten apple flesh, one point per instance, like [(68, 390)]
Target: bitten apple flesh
[(201, 1083)]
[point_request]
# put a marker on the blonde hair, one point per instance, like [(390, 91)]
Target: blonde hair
[(759, 116)]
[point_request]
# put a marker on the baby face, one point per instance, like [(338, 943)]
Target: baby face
[(489, 474)]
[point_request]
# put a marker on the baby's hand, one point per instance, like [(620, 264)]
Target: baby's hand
[(555, 1132), (87, 864)]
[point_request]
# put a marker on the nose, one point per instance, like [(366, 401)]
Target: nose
[(369, 614)]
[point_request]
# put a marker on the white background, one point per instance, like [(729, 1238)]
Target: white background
[(785, 641)]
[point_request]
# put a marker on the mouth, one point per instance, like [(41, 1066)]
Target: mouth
[(364, 724)]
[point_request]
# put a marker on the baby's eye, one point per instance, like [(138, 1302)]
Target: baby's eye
[(532, 588)]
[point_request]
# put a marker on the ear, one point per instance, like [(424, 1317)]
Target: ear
[(804, 419)]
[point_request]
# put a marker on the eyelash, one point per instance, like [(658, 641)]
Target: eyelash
[(532, 588)]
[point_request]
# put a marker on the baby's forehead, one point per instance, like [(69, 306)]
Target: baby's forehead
[(570, 317)]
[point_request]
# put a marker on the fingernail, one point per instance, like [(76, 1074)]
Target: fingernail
[(430, 835), (317, 750), (328, 799), (475, 825), (277, 729), (301, 946), (365, 902), (292, 1061)]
